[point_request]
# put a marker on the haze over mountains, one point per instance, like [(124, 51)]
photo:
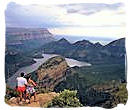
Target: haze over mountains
[(95, 84), (76, 49), (27, 38), (94, 39), (23, 44), (19, 41), (24, 40)]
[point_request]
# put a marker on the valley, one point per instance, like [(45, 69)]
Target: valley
[(97, 72), (31, 68)]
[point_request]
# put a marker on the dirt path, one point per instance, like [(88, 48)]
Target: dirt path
[(42, 100)]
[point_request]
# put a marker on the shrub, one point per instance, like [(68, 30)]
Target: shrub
[(121, 95), (66, 98), (10, 93)]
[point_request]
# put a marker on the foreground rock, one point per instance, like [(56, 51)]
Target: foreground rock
[(42, 100)]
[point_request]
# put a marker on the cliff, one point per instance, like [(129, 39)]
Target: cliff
[(27, 39), (20, 34), (52, 72)]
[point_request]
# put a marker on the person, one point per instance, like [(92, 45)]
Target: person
[(30, 91), (21, 86)]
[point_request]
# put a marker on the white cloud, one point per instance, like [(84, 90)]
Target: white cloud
[(44, 2), (104, 23), (109, 21), (117, 32)]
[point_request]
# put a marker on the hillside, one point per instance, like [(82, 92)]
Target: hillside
[(15, 60), (19, 43), (96, 85), (53, 71), (102, 84), (27, 39), (84, 50), (84, 80)]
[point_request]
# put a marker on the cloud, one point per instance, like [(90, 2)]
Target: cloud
[(88, 18), (31, 16), (50, 16), (90, 8), (109, 32)]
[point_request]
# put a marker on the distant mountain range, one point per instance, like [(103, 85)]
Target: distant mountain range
[(19, 42), (96, 85), (74, 38), (24, 44), (26, 39), (84, 50)]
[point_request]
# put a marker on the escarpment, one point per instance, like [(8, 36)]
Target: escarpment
[(52, 72)]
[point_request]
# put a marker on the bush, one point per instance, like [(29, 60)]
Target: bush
[(66, 98), (10, 93), (42, 90), (121, 96)]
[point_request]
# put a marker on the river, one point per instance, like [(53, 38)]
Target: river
[(28, 69)]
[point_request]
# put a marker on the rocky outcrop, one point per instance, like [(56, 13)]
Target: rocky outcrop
[(42, 100), (28, 33), (27, 39), (52, 72)]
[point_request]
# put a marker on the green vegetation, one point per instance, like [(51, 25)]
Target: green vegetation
[(102, 84), (66, 98), (52, 61), (88, 76), (121, 95), (15, 60), (42, 90), (112, 53), (84, 79), (10, 93)]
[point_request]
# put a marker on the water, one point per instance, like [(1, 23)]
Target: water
[(28, 69)]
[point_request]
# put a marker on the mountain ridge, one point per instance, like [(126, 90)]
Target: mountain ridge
[(27, 39), (86, 51)]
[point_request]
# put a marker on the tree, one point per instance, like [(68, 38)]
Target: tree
[(65, 98)]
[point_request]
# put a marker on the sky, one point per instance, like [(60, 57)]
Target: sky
[(79, 19)]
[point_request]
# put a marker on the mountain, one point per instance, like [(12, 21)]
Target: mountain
[(64, 42), (15, 60), (98, 45), (116, 48), (58, 47), (27, 39), (97, 85), (83, 43), (52, 72), (103, 84), (84, 50), (19, 43), (16, 35), (74, 38)]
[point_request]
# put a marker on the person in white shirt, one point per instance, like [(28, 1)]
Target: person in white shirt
[(21, 86)]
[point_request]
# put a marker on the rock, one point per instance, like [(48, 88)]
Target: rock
[(52, 72), (42, 100), (13, 100)]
